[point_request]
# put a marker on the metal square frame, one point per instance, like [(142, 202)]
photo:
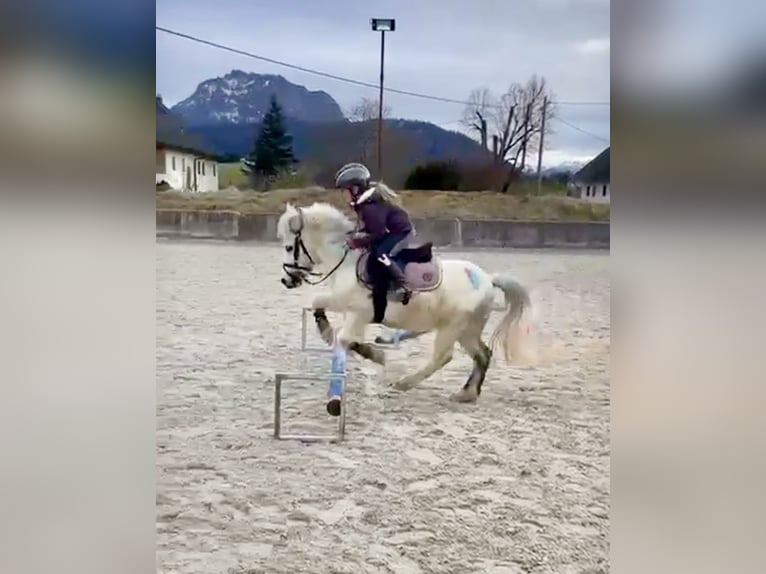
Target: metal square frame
[(279, 379)]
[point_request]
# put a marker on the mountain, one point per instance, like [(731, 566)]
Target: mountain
[(170, 131), (567, 167), (225, 113), (563, 171), (241, 97), (162, 109)]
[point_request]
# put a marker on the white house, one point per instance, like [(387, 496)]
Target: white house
[(595, 192), (591, 183), (185, 169), (181, 160)]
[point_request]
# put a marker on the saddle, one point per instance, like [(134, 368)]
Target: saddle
[(422, 272)]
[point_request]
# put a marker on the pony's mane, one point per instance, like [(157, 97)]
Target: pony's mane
[(317, 215)]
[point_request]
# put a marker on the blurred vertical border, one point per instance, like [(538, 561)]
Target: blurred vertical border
[(77, 286), (76, 91), (688, 242)]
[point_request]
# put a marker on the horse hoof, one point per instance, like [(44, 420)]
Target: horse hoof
[(403, 385), (464, 396), (333, 407), (379, 357)]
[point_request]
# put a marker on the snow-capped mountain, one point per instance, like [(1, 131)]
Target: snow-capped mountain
[(242, 98), (567, 167)]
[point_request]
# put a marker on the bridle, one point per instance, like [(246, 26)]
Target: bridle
[(299, 247)]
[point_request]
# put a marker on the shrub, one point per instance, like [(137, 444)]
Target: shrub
[(290, 180), (482, 177), (434, 176)]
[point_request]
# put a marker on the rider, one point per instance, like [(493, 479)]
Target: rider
[(387, 226)]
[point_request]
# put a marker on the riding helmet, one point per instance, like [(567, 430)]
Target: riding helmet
[(353, 174)]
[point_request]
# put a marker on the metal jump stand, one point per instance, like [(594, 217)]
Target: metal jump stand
[(278, 380)]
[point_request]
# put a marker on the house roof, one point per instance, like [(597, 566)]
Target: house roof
[(170, 134), (597, 169)]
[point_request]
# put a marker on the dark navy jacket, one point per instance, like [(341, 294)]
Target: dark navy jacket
[(379, 219)]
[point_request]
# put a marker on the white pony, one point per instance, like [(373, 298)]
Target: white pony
[(452, 297)]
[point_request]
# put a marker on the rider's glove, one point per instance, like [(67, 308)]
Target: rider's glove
[(357, 241)]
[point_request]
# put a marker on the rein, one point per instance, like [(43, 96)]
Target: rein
[(333, 270)]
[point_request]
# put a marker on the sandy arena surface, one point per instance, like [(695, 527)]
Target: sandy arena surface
[(518, 482)]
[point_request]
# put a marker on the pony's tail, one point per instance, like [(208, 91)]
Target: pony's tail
[(514, 332)]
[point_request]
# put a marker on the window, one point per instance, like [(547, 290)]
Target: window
[(213, 169), (183, 164), (587, 191), (173, 162), (603, 191), (203, 168)]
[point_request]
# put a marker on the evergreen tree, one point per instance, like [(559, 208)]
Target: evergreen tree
[(273, 151)]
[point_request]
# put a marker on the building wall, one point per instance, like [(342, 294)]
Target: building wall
[(593, 192), (207, 175), (186, 172), (175, 164), (159, 160)]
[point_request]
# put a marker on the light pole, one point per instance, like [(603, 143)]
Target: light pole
[(381, 25)]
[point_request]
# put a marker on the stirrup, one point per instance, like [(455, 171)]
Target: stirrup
[(402, 295)]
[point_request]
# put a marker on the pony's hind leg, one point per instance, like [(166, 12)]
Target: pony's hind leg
[(398, 335), (444, 345), (482, 355)]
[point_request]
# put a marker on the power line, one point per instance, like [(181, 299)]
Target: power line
[(554, 118), (579, 129), (342, 78)]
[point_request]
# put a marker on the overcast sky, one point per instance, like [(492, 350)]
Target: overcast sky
[(440, 47)]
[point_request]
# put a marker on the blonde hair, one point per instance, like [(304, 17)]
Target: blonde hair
[(385, 193)]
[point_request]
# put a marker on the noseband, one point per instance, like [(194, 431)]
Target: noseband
[(298, 248)]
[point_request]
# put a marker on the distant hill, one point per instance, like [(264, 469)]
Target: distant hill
[(430, 142)]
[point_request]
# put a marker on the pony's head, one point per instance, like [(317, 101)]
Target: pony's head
[(307, 235)]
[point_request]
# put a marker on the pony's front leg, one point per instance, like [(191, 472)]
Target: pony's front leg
[(351, 336), (321, 304), (327, 303)]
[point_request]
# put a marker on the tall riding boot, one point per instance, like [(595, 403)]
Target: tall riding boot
[(401, 291)]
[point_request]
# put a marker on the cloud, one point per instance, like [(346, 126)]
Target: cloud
[(593, 46)]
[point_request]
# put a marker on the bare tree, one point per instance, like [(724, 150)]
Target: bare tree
[(481, 106), (365, 110), (365, 114), (515, 121)]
